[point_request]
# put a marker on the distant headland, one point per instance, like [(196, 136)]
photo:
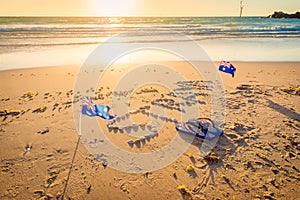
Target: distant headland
[(284, 15)]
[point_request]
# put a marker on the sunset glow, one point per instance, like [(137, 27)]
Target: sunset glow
[(112, 7), (144, 7)]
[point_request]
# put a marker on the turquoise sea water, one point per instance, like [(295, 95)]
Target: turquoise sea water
[(36, 34)]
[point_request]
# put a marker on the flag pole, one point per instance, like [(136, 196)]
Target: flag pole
[(73, 159)]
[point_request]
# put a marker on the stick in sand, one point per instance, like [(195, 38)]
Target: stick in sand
[(73, 159)]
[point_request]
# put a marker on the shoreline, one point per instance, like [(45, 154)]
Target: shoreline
[(216, 63), (229, 49)]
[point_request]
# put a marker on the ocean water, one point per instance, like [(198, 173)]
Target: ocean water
[(230, 38)]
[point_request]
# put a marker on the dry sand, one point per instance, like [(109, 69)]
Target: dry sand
[(257, 157)]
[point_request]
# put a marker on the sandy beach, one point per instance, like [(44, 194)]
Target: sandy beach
[(256, 158)]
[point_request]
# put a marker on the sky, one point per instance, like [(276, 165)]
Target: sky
[(145, 7)]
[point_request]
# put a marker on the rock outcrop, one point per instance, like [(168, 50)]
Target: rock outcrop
[(284, 15)]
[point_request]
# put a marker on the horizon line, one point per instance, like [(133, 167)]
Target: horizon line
[(131, 16)]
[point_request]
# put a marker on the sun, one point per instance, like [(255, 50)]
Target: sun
[(112, 7)]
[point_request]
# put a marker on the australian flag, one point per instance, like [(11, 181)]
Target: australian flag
[(92, 110), (227, 67)]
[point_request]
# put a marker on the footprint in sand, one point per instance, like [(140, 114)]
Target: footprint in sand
[(40, 109), (43, 131)]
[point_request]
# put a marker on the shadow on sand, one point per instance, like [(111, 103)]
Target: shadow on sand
[(287, 112)]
